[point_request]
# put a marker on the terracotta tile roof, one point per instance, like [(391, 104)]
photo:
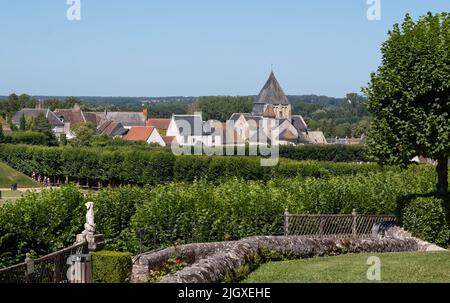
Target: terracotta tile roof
[(139, 133), (158, 123)]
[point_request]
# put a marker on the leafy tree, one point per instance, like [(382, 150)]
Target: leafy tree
[(409, 95), (41, 125), (84, 134), (22, 123)]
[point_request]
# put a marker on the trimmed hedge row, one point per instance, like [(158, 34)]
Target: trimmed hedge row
[(139, 166), (25, 137), (111, 267), (334, 152)]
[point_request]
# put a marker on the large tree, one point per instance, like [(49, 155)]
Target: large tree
[(409, 95), (84, 134)]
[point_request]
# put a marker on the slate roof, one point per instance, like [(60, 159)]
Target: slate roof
[(272, 93), (71, 116), (139, 133), (52, 119), (112, 129), (127, 119), (299, 123)]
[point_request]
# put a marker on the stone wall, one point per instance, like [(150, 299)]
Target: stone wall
[(210, 262)]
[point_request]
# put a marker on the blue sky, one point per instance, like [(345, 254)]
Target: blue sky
[(195, 47)]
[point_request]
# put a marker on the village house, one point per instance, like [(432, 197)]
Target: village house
[(73, 116), (55, 122), (146, 134)]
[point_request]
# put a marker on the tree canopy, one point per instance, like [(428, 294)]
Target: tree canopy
[(409, 95)]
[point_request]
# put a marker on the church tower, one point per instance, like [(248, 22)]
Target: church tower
[(272, 101)]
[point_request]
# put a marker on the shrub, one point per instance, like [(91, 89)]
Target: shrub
[(26, 137), (425, 218), (335, 152), (40, 223), (111, 267), (114, 208)]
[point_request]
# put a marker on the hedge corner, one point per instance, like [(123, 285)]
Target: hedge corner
[(111, 267)]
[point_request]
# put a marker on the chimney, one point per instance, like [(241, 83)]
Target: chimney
[(145, 111)]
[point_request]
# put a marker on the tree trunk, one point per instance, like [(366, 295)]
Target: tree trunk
[(442, 172)]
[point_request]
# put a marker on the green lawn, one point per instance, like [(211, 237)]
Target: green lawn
[(352, 268), (9, 176)]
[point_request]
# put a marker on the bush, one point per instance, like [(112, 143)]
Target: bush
[(111, 267), (141, 166), (425, 218), (26, 137), (335, 152), (40, 223)]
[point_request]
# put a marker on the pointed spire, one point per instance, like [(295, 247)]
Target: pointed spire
[(272, 93)]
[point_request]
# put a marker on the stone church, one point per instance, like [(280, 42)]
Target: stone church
[(272, 118)]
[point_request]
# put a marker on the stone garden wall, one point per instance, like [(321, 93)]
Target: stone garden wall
[(210, 262)]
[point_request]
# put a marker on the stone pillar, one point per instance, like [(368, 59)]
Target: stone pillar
[(354, 222), (286, 223)]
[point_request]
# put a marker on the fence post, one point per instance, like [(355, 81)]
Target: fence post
[(30, 268), (286, 222), (354, 222)]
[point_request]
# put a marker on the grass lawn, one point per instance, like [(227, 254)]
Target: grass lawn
[(352, 268), (9, 176)]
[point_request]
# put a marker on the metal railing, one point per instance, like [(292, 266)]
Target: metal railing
[(333, 226), (51, 268)]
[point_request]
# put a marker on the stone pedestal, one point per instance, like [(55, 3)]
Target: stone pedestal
[(95, 242)]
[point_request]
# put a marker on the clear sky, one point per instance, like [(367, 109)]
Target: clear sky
[(194, 47)]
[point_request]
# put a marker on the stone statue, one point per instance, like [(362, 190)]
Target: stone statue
[(89, 226)]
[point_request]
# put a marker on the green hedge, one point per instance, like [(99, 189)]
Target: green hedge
[(334, 152), (40, 223), (26, 137), (111, 267), (425, 218), (204, 211), (119, 166)]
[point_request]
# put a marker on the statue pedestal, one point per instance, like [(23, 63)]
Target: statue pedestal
[(95, 242)]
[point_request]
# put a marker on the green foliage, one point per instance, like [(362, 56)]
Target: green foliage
[(111, 267), (84, 134), (114, 209), (26, 137), (409, 95), (337, 153), (154, 165), (42, 125), (40, 222), (425, 218), (202, 211)]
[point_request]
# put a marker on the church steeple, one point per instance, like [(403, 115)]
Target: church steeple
[(272, 95)]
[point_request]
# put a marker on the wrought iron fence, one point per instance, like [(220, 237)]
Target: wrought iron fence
[(333, 226), (51, 268), (323, 226), (168, 233)]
